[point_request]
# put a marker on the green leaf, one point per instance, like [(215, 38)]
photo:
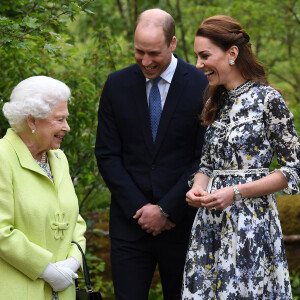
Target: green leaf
[(30, 22), (50, 48), (89, 11), (5, 40)]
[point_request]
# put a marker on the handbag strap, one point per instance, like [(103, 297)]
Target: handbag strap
[(85, 270)]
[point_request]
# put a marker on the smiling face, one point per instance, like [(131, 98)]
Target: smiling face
[(151, 52), (49, 132), (214, 62)]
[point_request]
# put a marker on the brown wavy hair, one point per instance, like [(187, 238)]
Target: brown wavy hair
[(224, 32)]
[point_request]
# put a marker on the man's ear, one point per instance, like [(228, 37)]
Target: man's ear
[(173, 43)]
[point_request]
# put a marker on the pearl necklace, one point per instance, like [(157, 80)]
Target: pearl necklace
[(44, 158)]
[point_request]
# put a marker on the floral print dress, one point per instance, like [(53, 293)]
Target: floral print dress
[(238, 253)]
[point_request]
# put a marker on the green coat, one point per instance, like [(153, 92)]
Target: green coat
[(38, 221)]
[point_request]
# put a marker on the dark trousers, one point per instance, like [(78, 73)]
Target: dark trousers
[(133, 265)]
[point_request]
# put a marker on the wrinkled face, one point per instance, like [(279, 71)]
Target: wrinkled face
[(151, 52), (213, 61), (50, 132)]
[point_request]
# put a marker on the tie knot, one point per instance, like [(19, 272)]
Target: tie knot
[(156, 80)]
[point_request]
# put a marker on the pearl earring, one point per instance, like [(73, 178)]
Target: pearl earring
[(231, 62), (33, 131)]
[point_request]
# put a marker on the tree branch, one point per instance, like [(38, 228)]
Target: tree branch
[(169, 4), (43, 24), (295, 238), (97, 230), (284, 79), (182, 31), (120, 9), (135, 11), (29, 12), (296, 16), (87, 195), (86, 3)]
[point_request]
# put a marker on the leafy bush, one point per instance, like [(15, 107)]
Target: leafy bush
[(295, 282)]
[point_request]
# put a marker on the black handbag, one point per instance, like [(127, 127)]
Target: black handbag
[(87, 293)]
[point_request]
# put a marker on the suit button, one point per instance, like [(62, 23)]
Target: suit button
[(153, 167)]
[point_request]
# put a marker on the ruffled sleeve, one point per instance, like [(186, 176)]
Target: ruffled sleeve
[(282, 135)]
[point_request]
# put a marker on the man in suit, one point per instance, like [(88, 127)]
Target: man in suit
[(147, 168)]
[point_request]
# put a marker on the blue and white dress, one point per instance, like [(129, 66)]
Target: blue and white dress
[(238, 253)]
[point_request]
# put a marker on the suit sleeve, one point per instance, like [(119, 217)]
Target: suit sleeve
[(174, 201), (108, 152), (15, 247)]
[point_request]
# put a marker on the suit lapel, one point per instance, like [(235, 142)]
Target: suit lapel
[(174, 95), (56, 165), (143, 110), (28, 162), (26, 159)]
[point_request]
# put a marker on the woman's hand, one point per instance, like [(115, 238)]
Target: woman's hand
[(193, 196), (219, 199), (59, 278), (71, 262)]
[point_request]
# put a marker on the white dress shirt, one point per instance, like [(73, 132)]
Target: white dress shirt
[(164, 83)]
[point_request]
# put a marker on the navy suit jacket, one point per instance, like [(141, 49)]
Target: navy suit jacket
[(136, 170)]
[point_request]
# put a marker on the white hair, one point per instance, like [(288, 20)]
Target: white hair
[(36, 96)]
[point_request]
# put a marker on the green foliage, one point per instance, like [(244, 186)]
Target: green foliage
[(295, 282), (34, 40), (156, 293), (40, 39), (289, 212), (96, 268)]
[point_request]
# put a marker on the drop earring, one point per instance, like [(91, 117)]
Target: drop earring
[(231, 62)]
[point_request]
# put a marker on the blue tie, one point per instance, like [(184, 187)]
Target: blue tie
[(155, 106)]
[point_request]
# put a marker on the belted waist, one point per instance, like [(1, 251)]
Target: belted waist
[(239, 171)]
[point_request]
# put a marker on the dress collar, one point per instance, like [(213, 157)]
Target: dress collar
[(241, 89)]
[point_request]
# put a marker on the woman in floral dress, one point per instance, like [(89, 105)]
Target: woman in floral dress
[(236, 248)]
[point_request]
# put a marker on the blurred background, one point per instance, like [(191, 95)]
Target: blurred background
[(80, 42)]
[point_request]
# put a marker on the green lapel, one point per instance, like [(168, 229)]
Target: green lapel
[(27, 161)]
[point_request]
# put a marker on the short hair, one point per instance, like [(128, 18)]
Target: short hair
[(169, 29), (167, 24), (36, 96)]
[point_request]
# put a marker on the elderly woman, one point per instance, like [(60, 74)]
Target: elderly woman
[(39, 216)]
